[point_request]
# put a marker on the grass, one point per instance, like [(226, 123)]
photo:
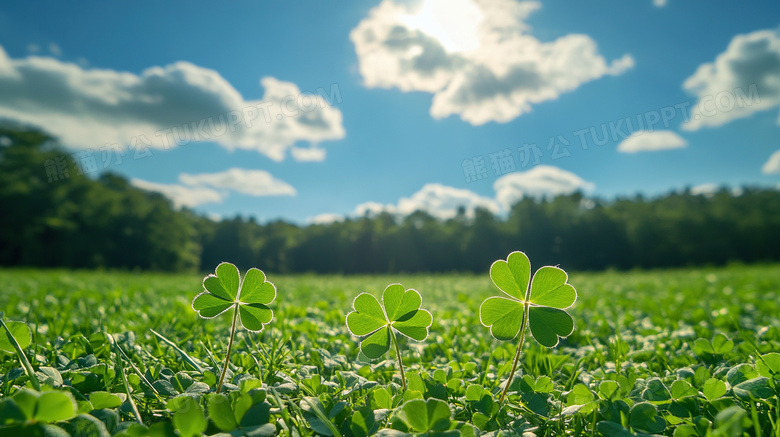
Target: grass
[(615, 375)]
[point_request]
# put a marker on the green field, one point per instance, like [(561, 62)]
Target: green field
[(675, 352)]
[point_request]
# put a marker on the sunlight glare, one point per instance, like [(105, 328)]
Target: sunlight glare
[(454, 23)]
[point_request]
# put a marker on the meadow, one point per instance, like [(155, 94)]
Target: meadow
[(682, 352)]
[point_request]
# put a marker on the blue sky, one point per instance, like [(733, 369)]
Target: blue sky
[(408, 91)]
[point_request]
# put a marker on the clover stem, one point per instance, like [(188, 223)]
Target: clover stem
[(398, 356), (229, 349), (517, 354), (22, 357)]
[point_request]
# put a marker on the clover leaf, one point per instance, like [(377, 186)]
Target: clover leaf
[(548, 295), (424, 416), (249, 299), (16, 337), (539, 302), (225, 290), (400, 311)]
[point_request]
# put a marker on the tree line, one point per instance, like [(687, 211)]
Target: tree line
[(81, 222)]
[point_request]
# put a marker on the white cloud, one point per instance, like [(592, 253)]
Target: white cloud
[(172, 105), (308, 153), (710, 189), (707, 190), (251, 182), (325, 219), (741, 81), (772, 165), (181, 195), (659, 3), (438, 200), (33, 48), (475, 56), (370, 208), (443, 202), (541, 181), (646, 141), (201, 188)]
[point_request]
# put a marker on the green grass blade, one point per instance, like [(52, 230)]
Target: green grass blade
[(121, 371), (135, 369), (188, 359), (321, 415)]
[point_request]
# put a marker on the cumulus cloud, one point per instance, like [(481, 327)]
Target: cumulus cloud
[(197, 189), (325, 219), (443, 202), (707, 190), (164, 107), (308, 153), (371, 208), (647, 141), (741, 81), (476, 57), (180, 195), (772, 165), (440, 201), (710, 189), (542, 181), (251, 182)]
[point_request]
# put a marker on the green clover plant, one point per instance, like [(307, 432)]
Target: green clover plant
[(17, 337), (248, 298), (377, 323), (540, 305)]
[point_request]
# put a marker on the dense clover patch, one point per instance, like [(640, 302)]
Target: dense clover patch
[(658, 353)]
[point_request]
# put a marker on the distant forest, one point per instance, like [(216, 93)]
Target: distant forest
[(80, 222)]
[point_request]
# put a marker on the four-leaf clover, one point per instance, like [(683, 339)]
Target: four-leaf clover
[(401, 313), (545, 301), (225, 290)]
